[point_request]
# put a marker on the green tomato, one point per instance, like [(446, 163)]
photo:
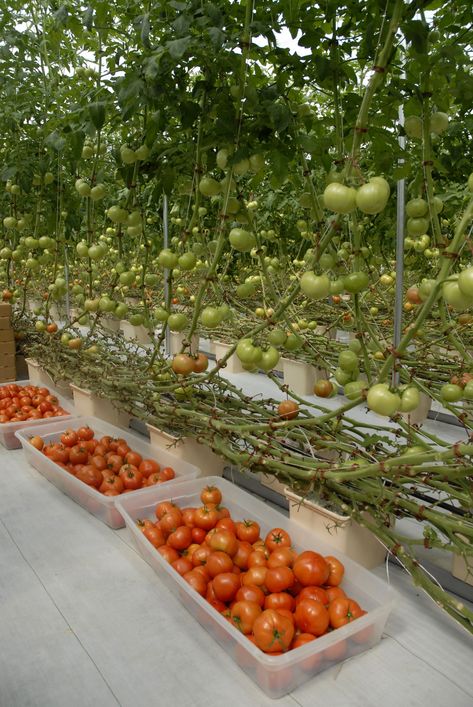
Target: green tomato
[(151, 280), (209, 186), (315, 286), (137, 319), (451, 393), (355, 346), (416, 208), (161, 314), (91, 305), (410, 399), (339, 198), (413, 127), (96, 252), (40, 325), (468, 391), (348, 360), (269, 359), (277, 337), (126, 278), (187, 261), (465, 282), (342, 377), (117, 214), (31, 243), (210, 317), (245, 290), (353, 389), (106, 304), (417, 226), (293, 342), (327, 261), (241, 240), (356, 282), (98, 192), (247, 352), (127, 154), (454, 296), (438, 122), (121, 310), (167, 259), (382, 401), (177, 322), (371, 198)]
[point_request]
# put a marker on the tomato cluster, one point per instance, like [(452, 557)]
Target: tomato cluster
[(279, 598), (107, 464), (28, 402)]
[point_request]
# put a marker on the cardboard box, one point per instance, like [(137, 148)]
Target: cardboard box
[(5, 309), (7, 373), (6, 335), (7, 348)]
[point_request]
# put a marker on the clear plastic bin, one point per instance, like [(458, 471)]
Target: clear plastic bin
[(8, 429), (276, 675), (102, 507)]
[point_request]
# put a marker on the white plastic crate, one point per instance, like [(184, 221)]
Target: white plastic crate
[(102, 507), (8, 429), (276, 675)]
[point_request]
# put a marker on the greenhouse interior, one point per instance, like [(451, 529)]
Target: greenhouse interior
[(236, 345)]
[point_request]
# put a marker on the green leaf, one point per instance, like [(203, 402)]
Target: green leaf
[(178, 47), (217, 37), (88, 18), (309, 143), (97, 114), (402, 171), (279, 163), (190, 111), (61, 15), (145, 29), (279, 115), (55, 140)]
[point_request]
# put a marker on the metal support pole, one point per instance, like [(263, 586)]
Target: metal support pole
[(400, 220), (167, 339)]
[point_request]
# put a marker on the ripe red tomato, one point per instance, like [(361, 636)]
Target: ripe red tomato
[(250, 593), (196, 581), (171, 520), (273, 632), (311, 569), (148, 467), (78, 454), (279, 578), (85, 433), (240, 558), (182, 565), (279, 600), (133, 458), (316, 593), (90, 475), (311, 616), (205, 517), (247, 530), (211, 494), (255, 576), (282, 557), (334, 593), (181, 538), (337, 571), (131, 477), (111, 483), (154, 535), (225, 586), (243, 615), (343, 610), (218, 562), (277, 538), (37, 442), (169, 553), (225, 541)]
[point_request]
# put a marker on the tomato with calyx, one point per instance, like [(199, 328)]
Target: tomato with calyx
[(244, 614), (277, 538), (181, 538), (247, 530), (205, 517), (273, 632), (85, 433), (211, 494), (148, 467), (343, 611)]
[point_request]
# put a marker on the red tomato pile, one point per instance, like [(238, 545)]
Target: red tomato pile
[(107, 464), (279, 598), (28, 402)]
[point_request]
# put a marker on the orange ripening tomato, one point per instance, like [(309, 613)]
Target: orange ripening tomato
[(244, 614), (211, 494)]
